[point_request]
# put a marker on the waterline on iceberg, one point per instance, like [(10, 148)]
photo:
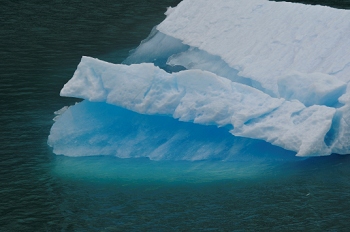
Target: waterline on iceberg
[(264, 97)]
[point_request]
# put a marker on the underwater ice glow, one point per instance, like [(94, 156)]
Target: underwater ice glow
[(272, 74)]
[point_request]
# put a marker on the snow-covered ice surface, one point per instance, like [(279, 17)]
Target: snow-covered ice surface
[(266, 40), (264, 71)]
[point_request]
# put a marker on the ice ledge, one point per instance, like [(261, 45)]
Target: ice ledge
[(205, 98), (265, 40)]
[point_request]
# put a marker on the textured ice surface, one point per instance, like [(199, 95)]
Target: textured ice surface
[(277, 72), (205, 98), (94, 128), (190, 95), (266, 40)]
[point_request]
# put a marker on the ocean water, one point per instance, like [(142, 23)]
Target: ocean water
[(41, 45)]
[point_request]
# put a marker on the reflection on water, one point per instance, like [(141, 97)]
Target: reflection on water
[(110, 169), (129, 194)]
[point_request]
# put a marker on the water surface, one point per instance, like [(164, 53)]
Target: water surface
[(41, 45)]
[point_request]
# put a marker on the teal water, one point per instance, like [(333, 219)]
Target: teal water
[(41, 45)]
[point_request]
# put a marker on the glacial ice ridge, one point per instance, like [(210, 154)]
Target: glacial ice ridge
[(264, 71)]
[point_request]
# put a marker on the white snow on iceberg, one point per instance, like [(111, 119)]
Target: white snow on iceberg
[(277, 72), (265, 40)]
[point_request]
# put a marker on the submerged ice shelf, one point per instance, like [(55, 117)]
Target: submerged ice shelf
[(264, 71)]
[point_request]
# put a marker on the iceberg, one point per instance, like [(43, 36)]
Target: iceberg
[(217, 79)]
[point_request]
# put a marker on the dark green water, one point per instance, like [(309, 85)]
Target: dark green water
[(41, 45)]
